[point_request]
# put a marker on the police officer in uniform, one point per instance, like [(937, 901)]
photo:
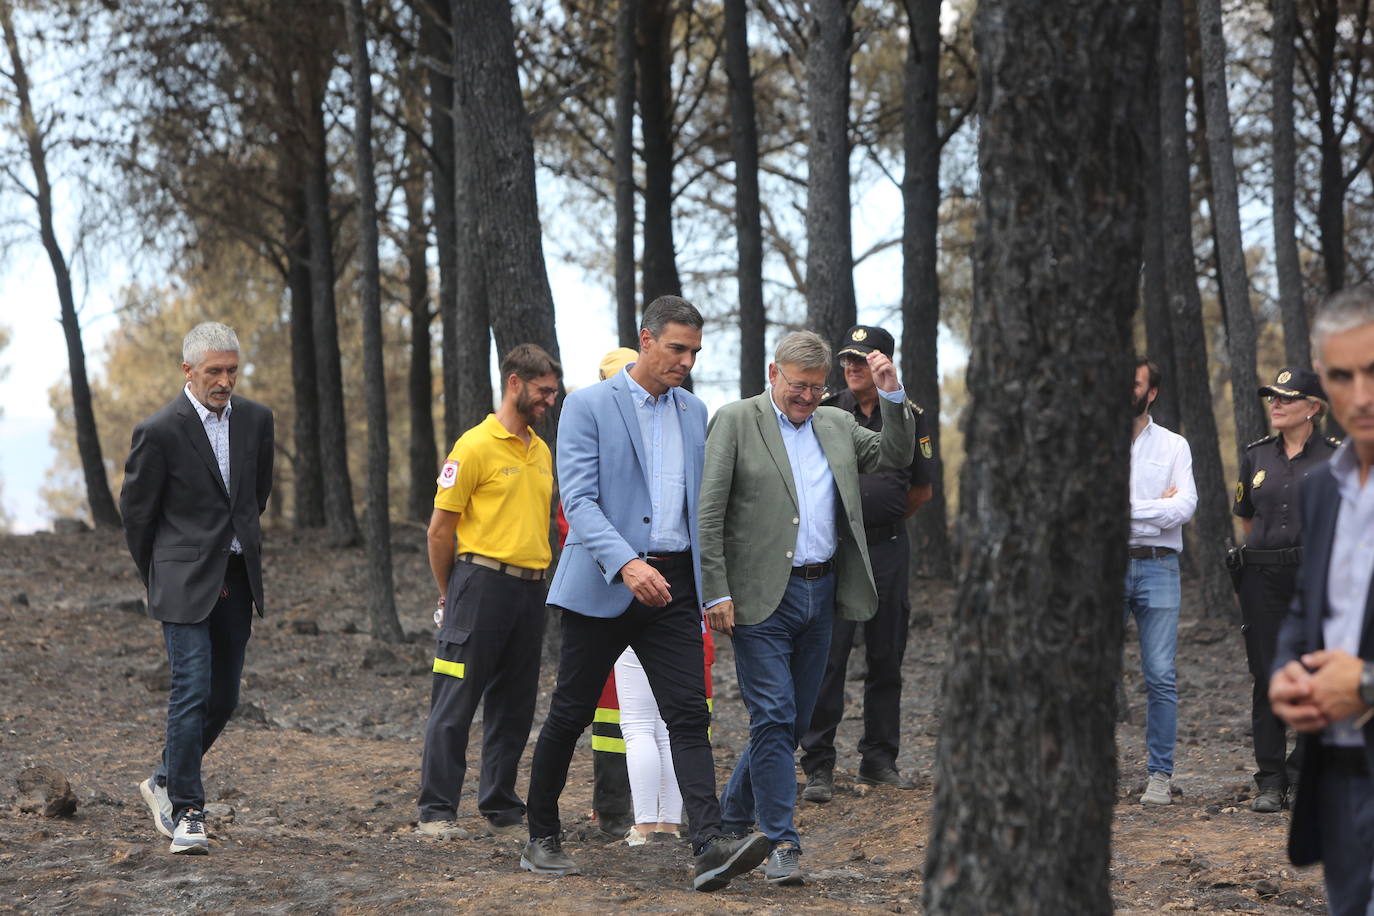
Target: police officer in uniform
[(889, 498), (1267, 503)]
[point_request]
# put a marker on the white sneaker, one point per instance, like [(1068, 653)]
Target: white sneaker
[(190, 836), (159, 804), (442, 830), (634, 838), (1157, 792)]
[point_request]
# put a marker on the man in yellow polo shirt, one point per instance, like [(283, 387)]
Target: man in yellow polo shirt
[(493, 496)]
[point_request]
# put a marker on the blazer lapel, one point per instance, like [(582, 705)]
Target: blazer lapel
[(1317, 546), (200, 442), (238, 436), (620, 395), (772, 438)]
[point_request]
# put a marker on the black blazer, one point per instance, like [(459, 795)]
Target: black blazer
[(1300, 633), (178, 517)]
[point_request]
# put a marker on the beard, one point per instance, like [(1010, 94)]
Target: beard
[(1140, 404), (528, 409)]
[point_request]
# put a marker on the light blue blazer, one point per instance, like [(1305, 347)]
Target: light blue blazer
[(603, 474)]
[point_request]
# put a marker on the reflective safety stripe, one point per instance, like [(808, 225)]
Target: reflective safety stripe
[(452, 669), (610, 745), (710, 704), (607, 715)]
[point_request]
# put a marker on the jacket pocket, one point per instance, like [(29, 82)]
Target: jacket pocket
[(176, 553)]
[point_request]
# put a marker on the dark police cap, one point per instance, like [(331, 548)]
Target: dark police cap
[(862, 340), (1295, 383)]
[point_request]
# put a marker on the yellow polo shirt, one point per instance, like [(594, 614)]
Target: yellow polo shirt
[(501, 490)]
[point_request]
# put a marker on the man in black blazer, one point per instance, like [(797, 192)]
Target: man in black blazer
[(198, 476), (1323, 682)]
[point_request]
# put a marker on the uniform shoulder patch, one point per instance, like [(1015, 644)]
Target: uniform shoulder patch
[(448, 474), (1269, 438)]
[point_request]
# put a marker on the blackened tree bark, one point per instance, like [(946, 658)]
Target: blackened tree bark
[(306, 471), (1241, 342), (436, 43), (420, 383), (1292, 308), (625, 310), (744, 146), (930, 553), (381, 592), (1026, 777), (830, 304), (98, 496), (499, 156), (340, 520), (1211, 528), (656, 124), (1159, 338)]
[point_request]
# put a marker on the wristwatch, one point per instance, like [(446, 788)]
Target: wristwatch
[(1367, 684)]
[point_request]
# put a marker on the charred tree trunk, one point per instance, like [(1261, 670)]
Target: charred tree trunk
[(656, 123), (420, 384), (340, 520), (930, 553), (1241, 344), (436, 42), (1159, 338), (830, 304), (1026, 778), (744, 146), (1211, 528), (104, 513), (626, 312), (381, 597), (1331, 198), (306, 470), (1292, 308)]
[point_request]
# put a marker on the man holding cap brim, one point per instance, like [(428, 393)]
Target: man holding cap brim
[(1266, 500)]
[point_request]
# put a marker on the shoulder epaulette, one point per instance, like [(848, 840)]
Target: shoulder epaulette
[(916, 408), (1333, 441), (1269, 438)]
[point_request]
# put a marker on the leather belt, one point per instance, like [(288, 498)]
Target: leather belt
[(882, 532), (1347, 761), (814, 570), (1149, 553), (519, 572), (675, 556), (1282, 556)]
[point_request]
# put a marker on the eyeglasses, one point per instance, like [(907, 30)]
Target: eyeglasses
[(849, 361), (819, 392), (545, 391), (1286, 399)]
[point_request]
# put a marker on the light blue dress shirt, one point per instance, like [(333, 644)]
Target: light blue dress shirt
[(660, 429), (1349, 573)]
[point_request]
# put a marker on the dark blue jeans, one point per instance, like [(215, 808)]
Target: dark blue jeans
[(1347, 824), (206, 660), (779, 664)]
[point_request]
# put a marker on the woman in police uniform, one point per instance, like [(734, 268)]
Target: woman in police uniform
[(1267, 503)]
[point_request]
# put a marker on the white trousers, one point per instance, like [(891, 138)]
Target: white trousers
[(653, 783)]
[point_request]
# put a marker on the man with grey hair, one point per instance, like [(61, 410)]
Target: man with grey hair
[(1323, 679), (782, 551), (197, 477)]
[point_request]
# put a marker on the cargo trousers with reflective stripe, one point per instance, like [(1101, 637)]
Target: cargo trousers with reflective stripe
[(487, 649)]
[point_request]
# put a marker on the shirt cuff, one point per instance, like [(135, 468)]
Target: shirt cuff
[(710, 604), (895, 397)]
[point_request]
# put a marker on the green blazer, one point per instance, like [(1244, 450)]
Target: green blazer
[(748, 512)]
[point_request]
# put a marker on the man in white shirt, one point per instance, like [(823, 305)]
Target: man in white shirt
[(1163, 498)]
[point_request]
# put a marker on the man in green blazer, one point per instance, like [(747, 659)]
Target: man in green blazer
[(782, 551)]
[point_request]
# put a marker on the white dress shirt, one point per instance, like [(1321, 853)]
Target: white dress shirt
[(1160, 459), (217, 430), (1348, 574)]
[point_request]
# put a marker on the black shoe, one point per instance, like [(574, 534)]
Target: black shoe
[(784, 866), (820, 786), (723, 859), (1268, 801), (544, 855), (886, 775)]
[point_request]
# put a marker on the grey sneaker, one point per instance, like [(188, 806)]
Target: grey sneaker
[(442, 830), (820, 786), (545, 856), (190, 836), (155, 796), (1157, 791), (784, 866), (1268, 801)]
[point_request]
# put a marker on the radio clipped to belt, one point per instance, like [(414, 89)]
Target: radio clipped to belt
[(1235, 563)]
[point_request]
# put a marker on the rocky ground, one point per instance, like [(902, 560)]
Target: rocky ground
[(311, 789)]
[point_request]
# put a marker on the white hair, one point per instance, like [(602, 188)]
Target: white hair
[(207, 337), (805, 349), (1343, 311)]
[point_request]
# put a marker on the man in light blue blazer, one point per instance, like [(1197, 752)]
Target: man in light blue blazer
[(630, 455)]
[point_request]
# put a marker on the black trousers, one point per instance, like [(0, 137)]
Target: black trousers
[(884, 648), (1265, 593), (668, 643), (487, 650)]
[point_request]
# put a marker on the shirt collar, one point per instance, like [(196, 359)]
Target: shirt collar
[(638, 392), (1149, 425), (1344, 465), (204, 412)]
